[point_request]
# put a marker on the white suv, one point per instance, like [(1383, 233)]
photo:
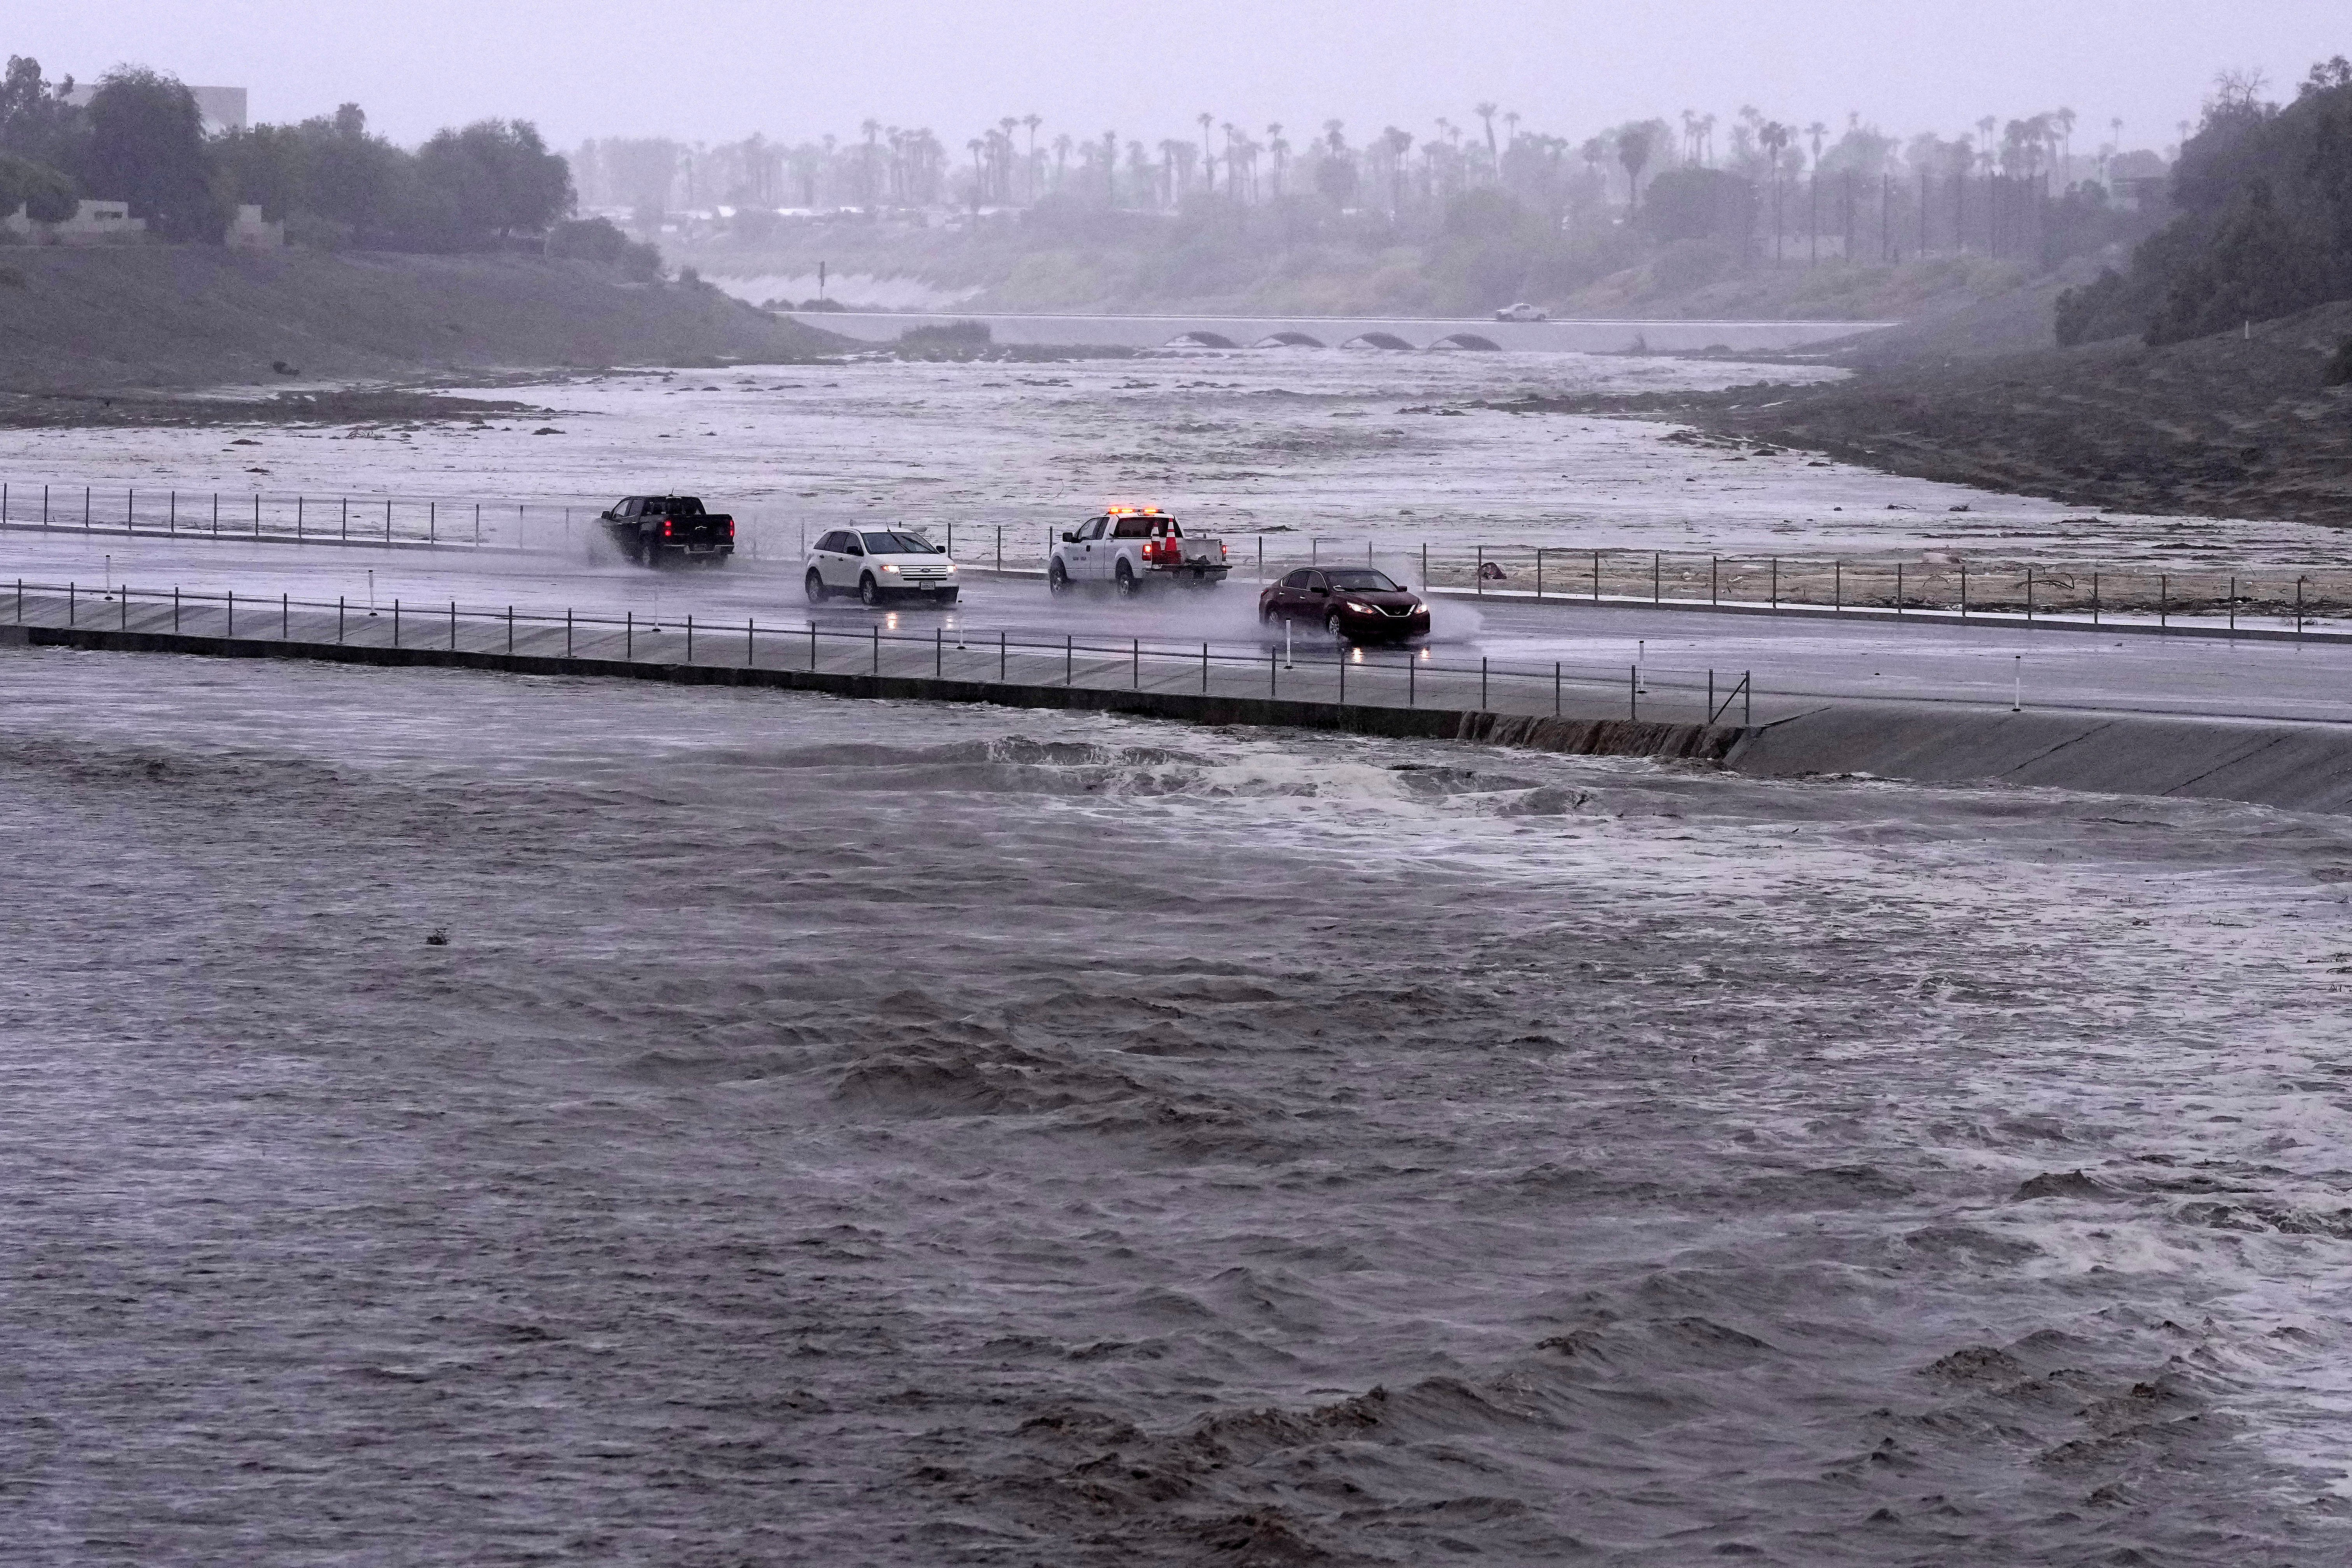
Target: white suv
[(879, 564)]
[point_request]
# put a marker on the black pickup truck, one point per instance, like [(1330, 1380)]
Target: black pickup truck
[(650, 530)]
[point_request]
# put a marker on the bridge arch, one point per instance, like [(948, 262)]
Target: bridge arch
[(1200, 339), (1467, 340), (1288, 341), (1376, 341)]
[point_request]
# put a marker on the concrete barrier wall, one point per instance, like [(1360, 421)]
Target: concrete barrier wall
[(2296, 767)]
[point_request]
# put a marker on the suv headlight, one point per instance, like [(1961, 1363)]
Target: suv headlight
[(889, 566)]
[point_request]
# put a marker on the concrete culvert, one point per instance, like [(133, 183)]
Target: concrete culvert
[(1376, 341), (1201, 341), (1288, 341), (1467, 340)]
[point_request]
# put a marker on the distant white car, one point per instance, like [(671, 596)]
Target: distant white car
[(878, 564), (1523, 311)]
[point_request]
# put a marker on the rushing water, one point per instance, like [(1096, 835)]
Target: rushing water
[(854, 1132)]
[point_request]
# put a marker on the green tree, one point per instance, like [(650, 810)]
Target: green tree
[(38, 118), (494, 180), (45, 194), (147, 147)]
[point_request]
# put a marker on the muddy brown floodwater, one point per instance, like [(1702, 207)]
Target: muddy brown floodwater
[(855, 1132)]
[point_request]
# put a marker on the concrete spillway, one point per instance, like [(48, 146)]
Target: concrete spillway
[(1467, 333)]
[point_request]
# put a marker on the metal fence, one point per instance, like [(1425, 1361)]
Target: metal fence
[(1939, 583), (1323, 672)]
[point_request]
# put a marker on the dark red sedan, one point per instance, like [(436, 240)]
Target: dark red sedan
[(1353, 604)]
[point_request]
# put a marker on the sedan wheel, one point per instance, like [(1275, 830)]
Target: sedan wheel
[(1335, 626), (869, 591), (814, 587)]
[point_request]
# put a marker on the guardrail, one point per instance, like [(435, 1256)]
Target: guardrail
[(1364, 676)]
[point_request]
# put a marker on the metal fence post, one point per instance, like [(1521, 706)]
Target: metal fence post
[(1632, 691), (1135, 681), (1964, 593), (1000, 656), (1596, 576), (751, 650), (2164, 600), (878, 647), (1482, 684), (1655, 557), (395, 622), (284, 616), (1067, 657), (452, 625), (689, 638), (1776, 582), (629, 634), (1555, 690), (510, 630), (567, 631), (1481, 578)]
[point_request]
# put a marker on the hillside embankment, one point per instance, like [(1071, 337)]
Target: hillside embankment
[(181, 316), (2241, 424)]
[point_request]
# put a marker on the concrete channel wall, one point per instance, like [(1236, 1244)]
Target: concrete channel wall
[(2298, 767)]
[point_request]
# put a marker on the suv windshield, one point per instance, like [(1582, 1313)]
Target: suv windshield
[(891, 543), (1362, 580)]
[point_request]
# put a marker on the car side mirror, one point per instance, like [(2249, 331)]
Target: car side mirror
[(1071, 537)]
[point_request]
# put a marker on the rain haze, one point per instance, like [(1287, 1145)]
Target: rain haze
[(925, 785)]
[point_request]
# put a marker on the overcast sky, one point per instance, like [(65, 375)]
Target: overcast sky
[(718, 69)]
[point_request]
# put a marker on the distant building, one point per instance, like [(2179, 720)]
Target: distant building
[(223, 108), (250, 233), (94, 223)]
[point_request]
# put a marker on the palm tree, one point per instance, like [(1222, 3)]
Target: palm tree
[(1062, 145), (1817, 131), (1634, 152), (1486, 111), (1399, 143), (1281, 151), (1208, 170), (1111, 167), (1033, 121), (1772, 136), (2065, 121)]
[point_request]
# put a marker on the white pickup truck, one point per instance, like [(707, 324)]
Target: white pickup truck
[(1129, 547)]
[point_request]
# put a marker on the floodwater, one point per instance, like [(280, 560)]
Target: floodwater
[(839, 1132), (1275, 446)]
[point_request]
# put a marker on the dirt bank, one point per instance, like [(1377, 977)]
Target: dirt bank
[(193, 316), (2237, 425)]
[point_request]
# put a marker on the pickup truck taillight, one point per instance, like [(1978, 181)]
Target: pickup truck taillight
[(730, 528), (665, 528)]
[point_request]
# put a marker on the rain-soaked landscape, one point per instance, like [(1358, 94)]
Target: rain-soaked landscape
[(1777, 991)]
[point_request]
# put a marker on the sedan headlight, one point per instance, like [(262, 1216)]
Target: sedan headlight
[(1351, 606)]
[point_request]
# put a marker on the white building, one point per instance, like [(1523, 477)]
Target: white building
[(94, 223), (223, 108)]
